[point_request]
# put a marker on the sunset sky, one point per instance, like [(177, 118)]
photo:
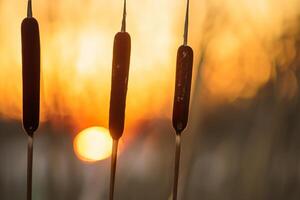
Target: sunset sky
[(242, 138), (241, 42)]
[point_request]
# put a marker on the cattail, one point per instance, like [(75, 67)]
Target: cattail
[(31, 84), (119, 82), (184, 69)]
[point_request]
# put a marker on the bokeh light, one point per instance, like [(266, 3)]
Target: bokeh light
[(93, 144)]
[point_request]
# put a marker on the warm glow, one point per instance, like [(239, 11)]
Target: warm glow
[(93, 144), (242, 41)]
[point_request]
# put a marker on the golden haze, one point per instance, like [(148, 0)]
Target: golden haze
[(240, 39)]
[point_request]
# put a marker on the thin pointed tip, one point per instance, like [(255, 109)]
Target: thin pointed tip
[(186, 25), (29, 9), (123, 28)]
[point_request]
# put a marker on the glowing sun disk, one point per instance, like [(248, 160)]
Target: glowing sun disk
[(93, 144)]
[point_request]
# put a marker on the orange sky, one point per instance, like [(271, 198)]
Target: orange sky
[(241, 40)]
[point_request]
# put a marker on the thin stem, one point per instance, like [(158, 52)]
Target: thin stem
[(177, 164), (186, 24), (29, 167), (113, 169), (29, 9), (123, 28)]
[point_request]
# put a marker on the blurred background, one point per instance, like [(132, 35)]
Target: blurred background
[(242, 141)]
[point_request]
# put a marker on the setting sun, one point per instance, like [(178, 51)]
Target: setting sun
[(93, 144)]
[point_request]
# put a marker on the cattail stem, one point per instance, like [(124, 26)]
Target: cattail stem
[(123, 28), (186, 24), (29, 167), (177, 164), (113, 168), (29, 9)]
